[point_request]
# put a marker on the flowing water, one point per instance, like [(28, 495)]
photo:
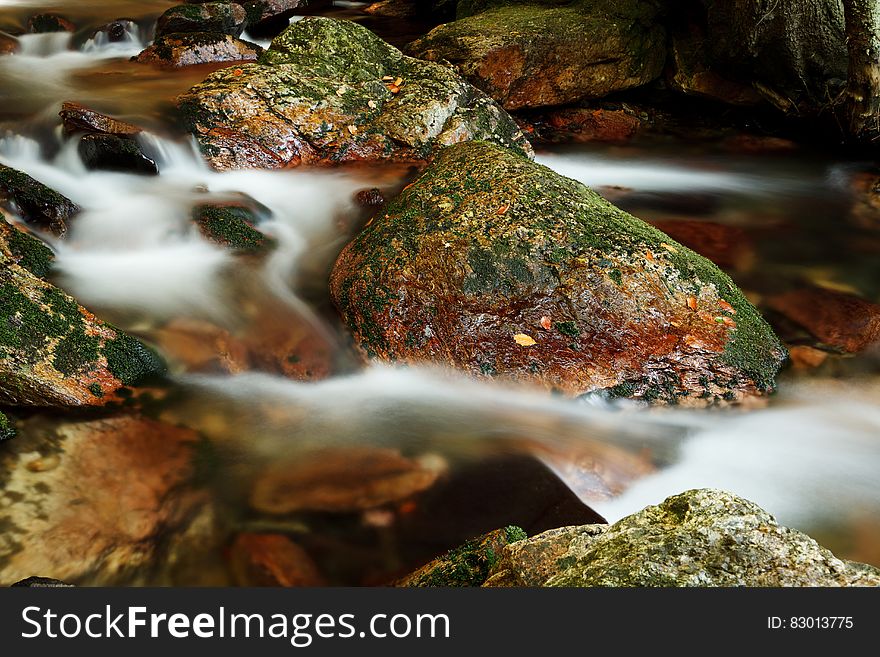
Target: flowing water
[(133, 257)]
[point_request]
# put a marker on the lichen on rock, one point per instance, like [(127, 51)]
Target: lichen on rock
[(698, 538), (501, 267), (330, 91)]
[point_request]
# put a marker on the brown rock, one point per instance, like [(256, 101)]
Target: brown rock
[(43, 23), (271, 560), (866, 207), (79, 118), (840, 320), (90, 502), (726, 246), (219, 17), (8, 44), (189, 49), (393, 8), (581, 124), (340, 480), (804, 357)]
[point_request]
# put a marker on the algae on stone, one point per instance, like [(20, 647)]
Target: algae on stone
[(486, 244), (325, 92)]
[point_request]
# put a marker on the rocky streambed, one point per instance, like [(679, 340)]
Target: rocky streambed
[(312, 311)]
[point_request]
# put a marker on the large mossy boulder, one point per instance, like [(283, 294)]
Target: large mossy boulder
[(53, 352), (699, 538), (501, 267), (527, 55), (330, 91)]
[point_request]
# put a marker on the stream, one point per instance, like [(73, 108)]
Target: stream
[(810, 456)]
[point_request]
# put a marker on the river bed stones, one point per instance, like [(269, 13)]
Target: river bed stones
[(36, 203), (92, 502), (193, 48), (527, 55), (220, 17), (501, 267), (330, 91)]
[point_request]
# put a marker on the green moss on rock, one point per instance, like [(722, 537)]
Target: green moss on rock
[(496, 259), (232, 226), (7, 428), (26, 250), (37, 203)]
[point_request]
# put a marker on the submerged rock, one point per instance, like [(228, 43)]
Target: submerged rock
[(502, 267), (8, 44), (191, 48), (53, 352), (330, 91), (468, 565), (34, 202), (582, 124), (699, 538), (535, 56), (271, 560), (41, 583), (112, 153), (220, 17), (93, 502)]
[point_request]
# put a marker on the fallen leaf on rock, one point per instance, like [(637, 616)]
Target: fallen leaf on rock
[(371, 104), (726, 306), (398, 82), (352, 129), (237, 72), (387, 78), (394, 88), (545, 323), (524, 340), (692, 303), (649, 256), (503, 209)]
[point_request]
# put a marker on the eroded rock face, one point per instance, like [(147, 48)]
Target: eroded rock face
[(501, 267), (330, 91), (79, 118), (535, 56), (221, 17), (36, 203), (90, 502), (53, 352), (191, 48), (699, 538)]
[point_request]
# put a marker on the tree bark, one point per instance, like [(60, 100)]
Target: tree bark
[(863, 83)]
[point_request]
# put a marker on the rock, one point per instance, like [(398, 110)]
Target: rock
[(232, 226), (582, 124), (468, 565), (475, 259), (340, 480), (393, 9), (272, 560), (839, 320), (8, 44), (112, 153), (726, 246), (24, 249), (370, 198), (317, 96), (692, 75), (41, 583), (53, 352), (465, 8), (115, 32), (534, 56), (34, 202), (94, 502), (43, 23), (7, 428), (216, 17), (699, 538), (866, 207), (79, 118), (805, 357), (267, 18), (191, 48)]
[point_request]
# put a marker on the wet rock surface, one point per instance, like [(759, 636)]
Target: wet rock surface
[(699, 538), (468, 565), (192, 48), (53, 352), (112, 153), (535, 56), (79, 118), (35, 202), (232, 226), (503, 268), (220, 17), (271, 560), (329, 92), (72, 509), (45, 23)]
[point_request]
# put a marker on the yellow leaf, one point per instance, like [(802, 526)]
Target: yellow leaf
[(524, 340)]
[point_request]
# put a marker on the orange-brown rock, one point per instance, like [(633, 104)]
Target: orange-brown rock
[(91, 502), (79, 118), (840, 320), (340, 479), (191, 48), (271, 560), (726, 246), (582, 124)]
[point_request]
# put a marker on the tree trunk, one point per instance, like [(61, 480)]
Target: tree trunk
[(863, 85)]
